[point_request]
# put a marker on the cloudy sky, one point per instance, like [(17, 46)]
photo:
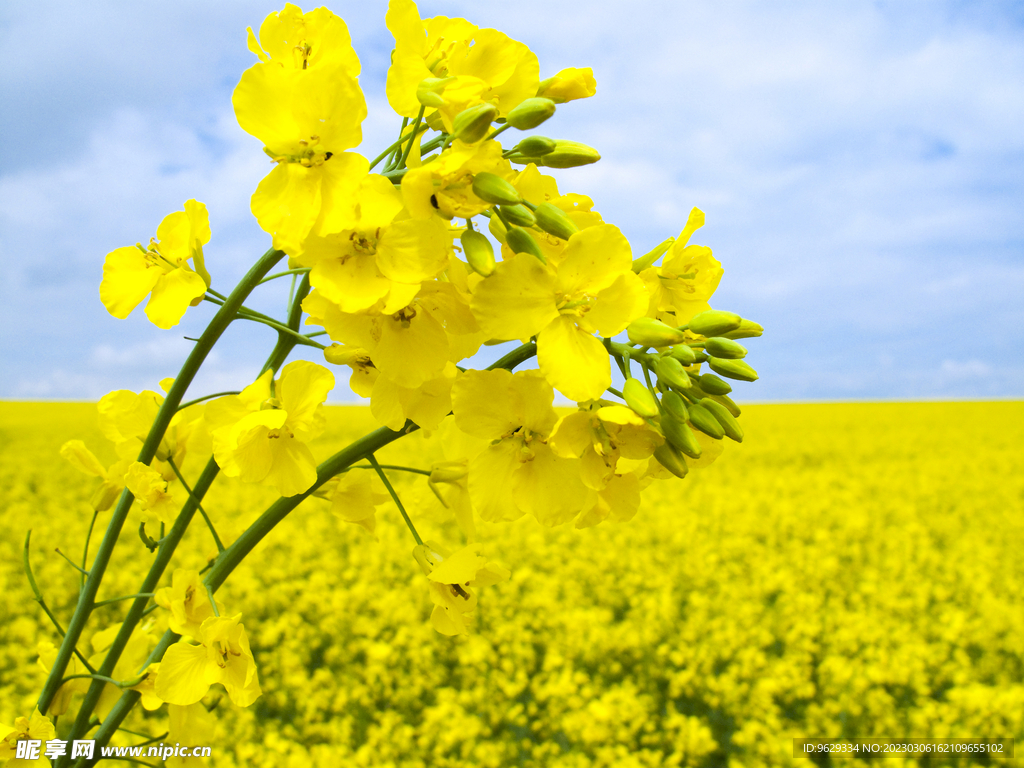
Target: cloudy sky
[(860, 164)]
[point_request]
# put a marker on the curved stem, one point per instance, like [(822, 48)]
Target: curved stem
[(300, 271), (412, 138), (183, 406), (85, 549), (394, 497), (206, 517), (221, 320)]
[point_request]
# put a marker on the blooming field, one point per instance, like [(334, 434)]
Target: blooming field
[(848, 570)]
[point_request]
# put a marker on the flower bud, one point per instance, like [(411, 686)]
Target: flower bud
[(680, 436), (733, 369), (671, 372), (553, 220), (531, 113), (428, 92), (714, 322), (472, 124), (747, 329), (479, 252), (702, 419), (674, 406), (497, 228), (728, 403), (725, 348), (494, 189), (671, 460), (571, 83), (683, 353), (648, 259), (639, 398), (519, 214), (535, 146), (521, 241), (721, 413), (568, 154), (653, 333), (714, 385)]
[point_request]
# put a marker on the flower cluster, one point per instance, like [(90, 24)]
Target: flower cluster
[(452, 239)]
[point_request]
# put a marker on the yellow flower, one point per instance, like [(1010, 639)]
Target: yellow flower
[(222, 656), (47, 655), (307, 118), (353, 498), (592, 289), (445, 186), (131, 273), (37, 728), (569, 84), (187, 601), (385, 255), (261, 438), (294, 40), (85, 461), (452, 579), (150, 490), (132, 658), (512, 470), (686, 279), (484, 65)]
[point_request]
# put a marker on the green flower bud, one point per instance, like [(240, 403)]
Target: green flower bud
[(714, 322), (521, 241), (683, 353), (639, 265), (725, 348), (428, 92), (733, 369), (472, 124), (653, 333), (671, 372), (680, 436), (535, 146), (553, 220), (714, 385), (497, 228), (748, 329), (728, 403), (639, 398), (674, 406), (519, 214), (702, 419), (531, 113), (671, 460), (494, 189), (721, 413), (568, 154), (479, 252)]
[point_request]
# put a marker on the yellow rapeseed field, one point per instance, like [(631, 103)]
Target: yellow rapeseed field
[(850, 570)]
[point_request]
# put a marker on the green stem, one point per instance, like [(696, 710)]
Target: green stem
[(206, 517), (221, 320), (94, 677), (304, 340), (392, 466), (497, 132), (183, 406), (85, 549), (300, 271), (398, 502), (412, 138), (42, 602), (113, 600), (72, 563), (394, 148), (616, 392)]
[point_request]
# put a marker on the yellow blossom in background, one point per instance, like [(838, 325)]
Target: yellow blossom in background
[(113, 477), (160, 271)]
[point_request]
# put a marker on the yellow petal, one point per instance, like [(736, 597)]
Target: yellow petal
[(127, 278), (82, 458), (412, 251), (303, 389), (517, 300), (341, 179), (184, 672), (548, 487), (287, 202), (617, 306), (411, 350), (172, 295), (571, 435), (483, 403), (490, 482), (573, 361), (593, 259)]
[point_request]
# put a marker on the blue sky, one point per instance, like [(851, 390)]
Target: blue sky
[(861, 167)]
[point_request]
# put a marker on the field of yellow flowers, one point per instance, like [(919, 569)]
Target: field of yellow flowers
[(849, 570)]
